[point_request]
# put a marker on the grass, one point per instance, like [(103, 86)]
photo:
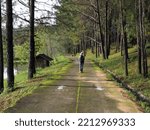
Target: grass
[(115, 64), (43, 78)]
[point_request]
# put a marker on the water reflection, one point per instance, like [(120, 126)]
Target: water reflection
[(5, 73)]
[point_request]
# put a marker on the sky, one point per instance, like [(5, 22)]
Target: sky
[(41, 10)]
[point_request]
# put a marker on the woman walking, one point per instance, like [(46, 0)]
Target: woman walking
[(81, 60)]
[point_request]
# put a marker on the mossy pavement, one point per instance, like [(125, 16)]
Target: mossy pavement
[(88, 92)]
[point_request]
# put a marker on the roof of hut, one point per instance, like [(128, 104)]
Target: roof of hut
[(44, 57)]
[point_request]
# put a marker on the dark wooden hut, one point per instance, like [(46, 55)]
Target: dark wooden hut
[(42, 61)]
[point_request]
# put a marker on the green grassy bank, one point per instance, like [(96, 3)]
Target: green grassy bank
[(115, 64), (43, 78)]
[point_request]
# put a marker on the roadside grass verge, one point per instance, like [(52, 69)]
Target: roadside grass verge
[(43, 78), (115, 64)]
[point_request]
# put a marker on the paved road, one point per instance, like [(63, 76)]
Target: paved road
[(88, 92)]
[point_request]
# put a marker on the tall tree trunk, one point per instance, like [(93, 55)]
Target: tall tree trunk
[(106, 30), (99, 46), (123, 24), (1, 56), (138, 37), (118, 39), (93, 42), (32, 42), (144, 67), (10, 53), (110, 32), (100, 28), (95, 37), (121, 44), (96, 48), (84, 44), (125, 42), (144, 42)]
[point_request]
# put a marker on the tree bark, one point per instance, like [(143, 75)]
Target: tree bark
[(84, 44), (106, 30), (100, 28), (1, 57), (123, 24), (110, 32), (144, 67), (96, 48), (118, 39), (138, 37), (93, 42), (32, 70), (10, 53)]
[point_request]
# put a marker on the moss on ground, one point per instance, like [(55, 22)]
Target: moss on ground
[(43, 78)]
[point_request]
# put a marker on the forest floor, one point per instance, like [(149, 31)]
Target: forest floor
[(88, 92)]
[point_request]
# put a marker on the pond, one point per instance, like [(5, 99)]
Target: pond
[(5, 73)]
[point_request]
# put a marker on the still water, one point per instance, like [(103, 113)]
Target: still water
[(5, 73)]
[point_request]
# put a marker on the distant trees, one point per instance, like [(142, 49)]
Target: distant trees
[(106, 27), (99, 25)]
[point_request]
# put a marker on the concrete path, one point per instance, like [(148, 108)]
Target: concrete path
[(88, 92)]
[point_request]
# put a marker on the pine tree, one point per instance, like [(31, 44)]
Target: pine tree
[(1, 56), (10, 53), (32, 70)]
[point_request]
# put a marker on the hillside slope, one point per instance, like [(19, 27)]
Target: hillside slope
[(115, 64)]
